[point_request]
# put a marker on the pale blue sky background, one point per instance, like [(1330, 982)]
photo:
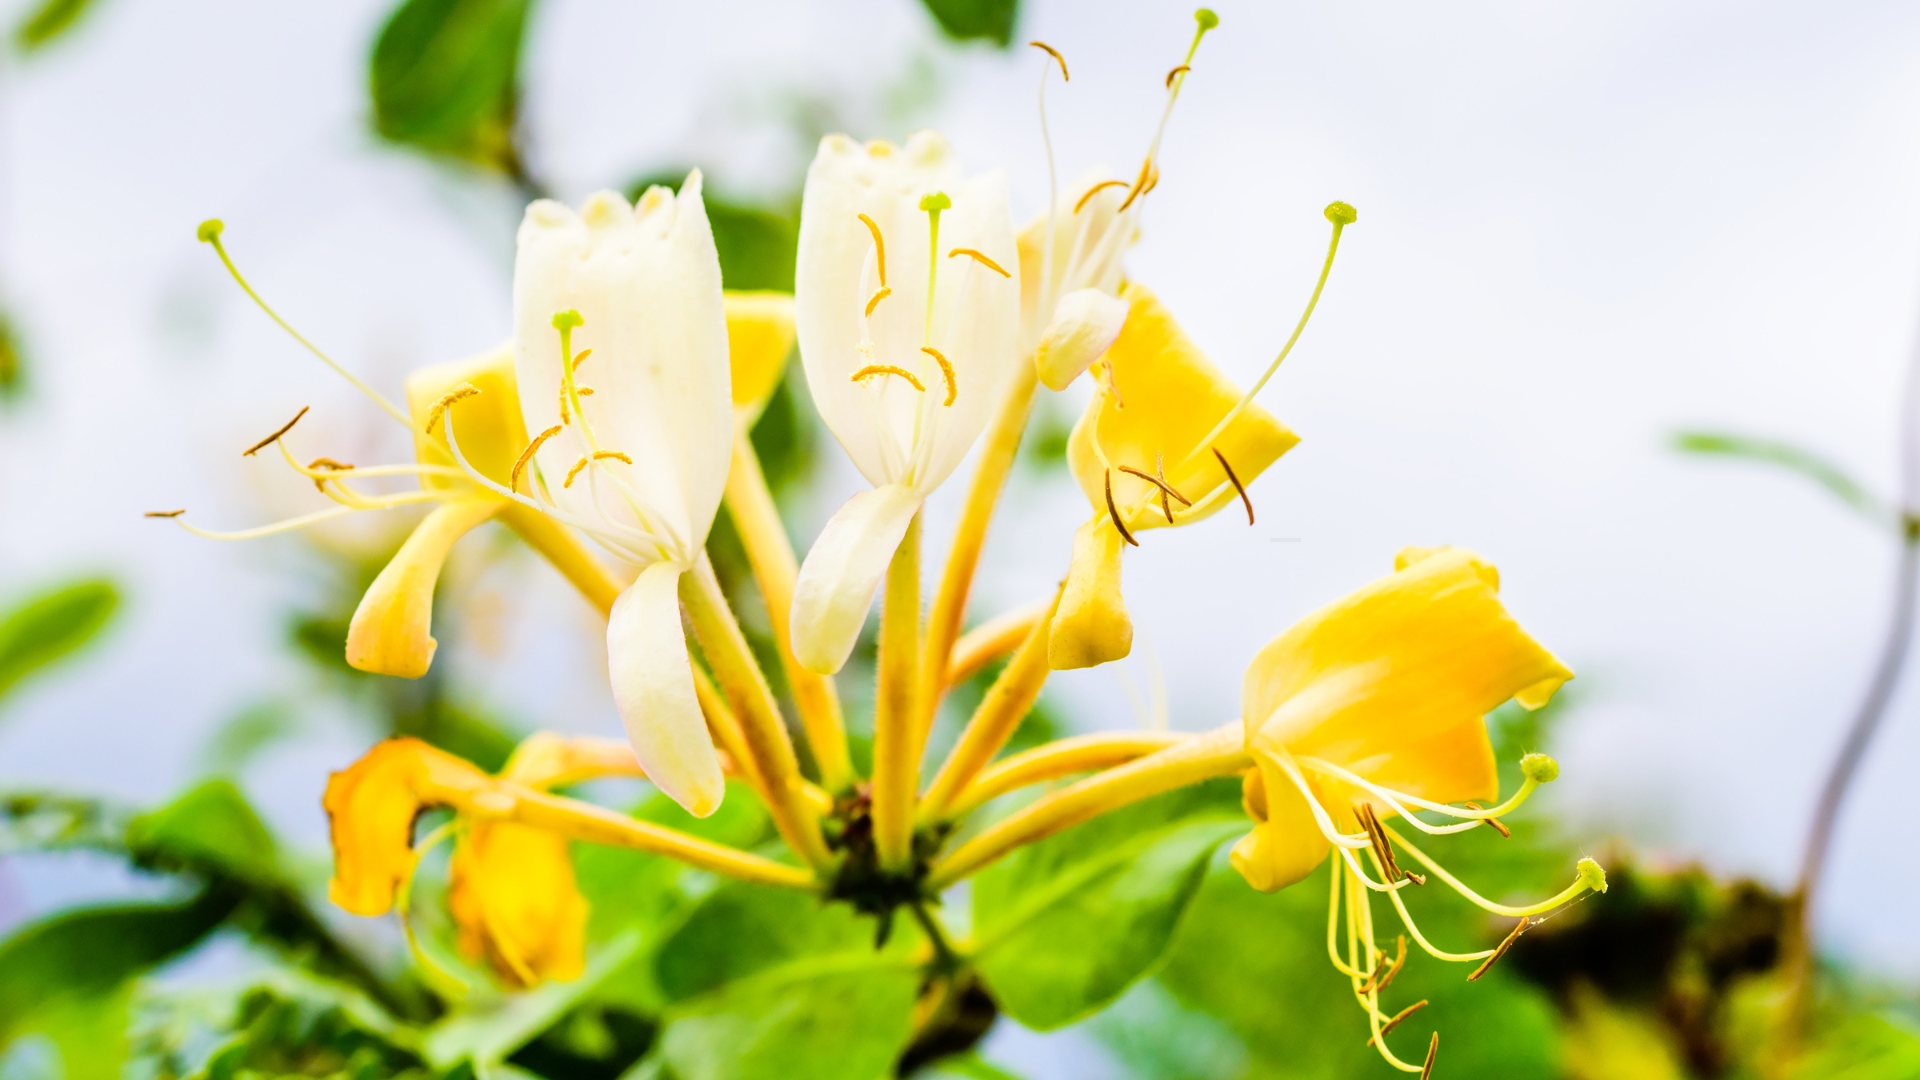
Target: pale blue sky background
[(1580, 229)]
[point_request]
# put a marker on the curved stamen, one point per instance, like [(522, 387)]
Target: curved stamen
[(1334, 836), (980, 257), (879, 294), (1570, 892), (275, 437), (1095, 190), (1055, 53), (443, 981), (288, 525), (1113, 513), (872, 370), (879, 247), (1234, 479), (459, 393), (520, 463), (946, 372), (1321, 765)]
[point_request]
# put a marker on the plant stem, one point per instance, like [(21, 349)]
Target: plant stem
[(998, 716), (1220, 752), (747, 691), (897, 737), (598, 825), (757, 519), (997, 452), (1061, 757), (945, 959)]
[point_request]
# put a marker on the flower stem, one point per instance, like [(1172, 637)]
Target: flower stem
[(747, 691), (597, 824), (769, 551), (897, 738), (1220, 752), (997, 451), (998, 716), (1062, 757)]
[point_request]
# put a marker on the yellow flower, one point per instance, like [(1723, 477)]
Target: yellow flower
[(759, 337), (1166, 440), (512, 895), (1372, 708)]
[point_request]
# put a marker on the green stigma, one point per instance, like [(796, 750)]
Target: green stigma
[(936, 202), (1592, 876), (567, 320), (1540, 768), (210, 230), (1206, 18), (1342, 213)]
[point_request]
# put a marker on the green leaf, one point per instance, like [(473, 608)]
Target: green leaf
[(1065, 926), (51, 625), (211, 831), (48, 22), (967, 20), (841, 1017), (286, 1024), (445, 79), (488, 1033), (1788, 456), (40, 821), (740, 930), (13, 362)]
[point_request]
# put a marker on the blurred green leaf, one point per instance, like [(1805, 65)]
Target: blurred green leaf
[(44, 821), (47, 22), (967, 20), (246, 735), (740, 930), (843, 1017), (968, 1066), (1788, 456), (211, 831), (1157, 1036), (445, 79), (13, 362), (289, 1024), (51, 625), (1065, 926), (488, 1033)]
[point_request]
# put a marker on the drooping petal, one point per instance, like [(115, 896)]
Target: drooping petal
[(1170, 398), (1085, 323), (652, 679), (513, 896), (1393, 681), (1091, 626), (1285, 844), (371, 806), (759, 337), (646, 283), (545, 760), (843, 570), (488, 424), (390, 633), (1090, 236)]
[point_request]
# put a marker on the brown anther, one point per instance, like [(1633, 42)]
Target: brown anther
[(329, 464), (575, 471), (1237, 485), (946, 372), (520, 463), (464, 390), (1095, 190), (1055, 53), (164, 513), (582, 358), (275, 437), (1396, 1019), (1500, 950), (871, 370), (1493, 823), (1159, 481), (879, 294), (603, 455), (1382, 850), (1140, 184), (1176, 73), (1433, 1051), (879, 247), (1114, 513), (1383, 977), (980, 257)]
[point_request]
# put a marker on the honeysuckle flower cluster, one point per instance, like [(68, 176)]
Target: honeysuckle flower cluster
[(617, 417)]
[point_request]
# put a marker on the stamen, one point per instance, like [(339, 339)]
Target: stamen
[(1157, 481), (520, 463), (871, 370), (575, 471), (1114, 514), (1383, 851), (583, 391), (1383, 977), (880, 251), (1055, 53), (564, 418), (464, 390), (879, 294), (1234, 478), (1139, 186), (1095, 190), (1584, 881), (582, 358), (267, 530), (933, 204), (1396, 1019), (1433, 1051), (946, 372), (209, 233), (980, 257), (1181, 70), (1501, 949), (442, 980), (1493, 823), (164, 513), (275, 437), (330, 465), (602, 455)]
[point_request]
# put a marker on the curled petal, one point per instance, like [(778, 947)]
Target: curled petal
[(390, 632), (843, 570), (371, 806), (1091, 626), (1084, 324), (514, 898), (491, 432), (652, 681), (1285, 844)]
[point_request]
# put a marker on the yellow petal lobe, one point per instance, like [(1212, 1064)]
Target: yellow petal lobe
[(515, 900), (371, 806), (1091, 626), (390, 633), (759, 339), (488, 424)]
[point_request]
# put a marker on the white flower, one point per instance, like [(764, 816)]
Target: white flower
[(908, 312), (1070, 277), (620, 351)]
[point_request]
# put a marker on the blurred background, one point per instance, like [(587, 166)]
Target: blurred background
[(1582, 231)]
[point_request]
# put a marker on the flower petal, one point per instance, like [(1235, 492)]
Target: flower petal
[(1089, 239), (1285, 844), (1395, 679), (513, 895), (371, 806), (652, 678), (488, 425), (1091, 626), (843, 570), (1085, 323), (390, 632), (759, 337)]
